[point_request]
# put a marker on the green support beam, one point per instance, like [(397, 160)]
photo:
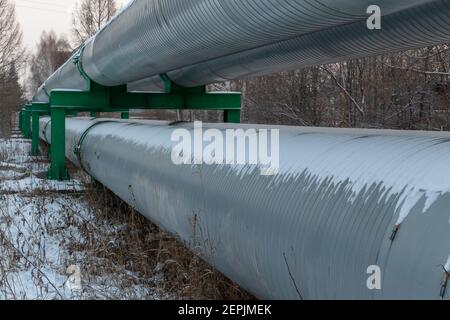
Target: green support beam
[(58, 169), (98, 101), (26, 122), (35, 134), (233, 116), (37, 109), (116, 99), (21, 120)]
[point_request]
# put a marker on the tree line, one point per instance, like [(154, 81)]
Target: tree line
[(12, 58), (88, 17), (407, 90), (51, 51)]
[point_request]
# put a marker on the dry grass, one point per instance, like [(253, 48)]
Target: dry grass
[(138, 246), (121, 254), (3, 153)]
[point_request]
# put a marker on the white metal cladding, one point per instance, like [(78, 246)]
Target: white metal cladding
[(316, 226), (201, 41), (414, 28)]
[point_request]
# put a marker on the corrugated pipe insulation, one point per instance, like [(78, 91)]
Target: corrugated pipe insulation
[(342, 201), (198, 42)]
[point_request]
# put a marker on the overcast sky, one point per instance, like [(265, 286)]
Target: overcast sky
[(36, 16)]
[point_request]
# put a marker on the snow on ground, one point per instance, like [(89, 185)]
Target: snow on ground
[(39, 223)]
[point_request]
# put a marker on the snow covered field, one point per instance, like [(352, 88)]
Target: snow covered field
[(73, 240), (42, 238)]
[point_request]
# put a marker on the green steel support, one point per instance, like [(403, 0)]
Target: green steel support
[(58, 169), (232, 116), (118, 99), (104, 101), (125, 115), (21, 120), (27, 123), (35, 133), (22, 124), (37, 109)]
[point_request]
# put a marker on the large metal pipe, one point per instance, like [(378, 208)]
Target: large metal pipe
[(309, 232), (415, 28), (200, 41)]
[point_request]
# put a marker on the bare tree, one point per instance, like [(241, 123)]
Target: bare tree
[(11, 50), (90, 16), (408, 90), (12, 58), (52, 51)]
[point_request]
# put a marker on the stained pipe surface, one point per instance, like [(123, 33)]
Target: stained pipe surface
[(310, 232)]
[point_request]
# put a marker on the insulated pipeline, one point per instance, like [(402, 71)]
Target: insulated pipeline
[(199, 41), (415, 28), (309, 232)]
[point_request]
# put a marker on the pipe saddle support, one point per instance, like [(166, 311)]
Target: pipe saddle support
[(117, 99)]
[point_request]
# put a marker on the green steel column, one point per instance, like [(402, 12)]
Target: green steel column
[(94, 114), (27, 124), (125, 115), (58, 169), (232, 116), (35, 133), (20, 121)]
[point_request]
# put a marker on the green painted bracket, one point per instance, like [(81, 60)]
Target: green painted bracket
[(20, 120), (105, 101), (26, 121), (58, 169), (117, 99), (37, 110)]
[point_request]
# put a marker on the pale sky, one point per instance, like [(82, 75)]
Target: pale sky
[(36, 16)]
